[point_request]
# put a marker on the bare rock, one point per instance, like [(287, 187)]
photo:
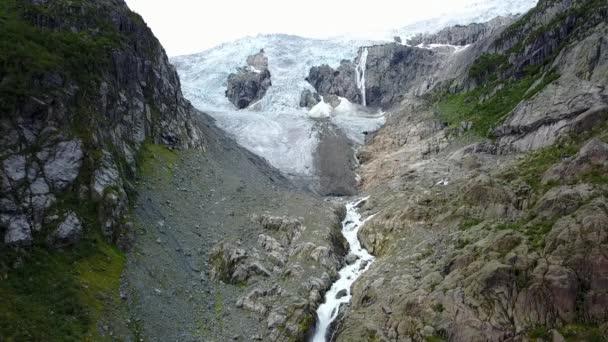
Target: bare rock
[(63, 166), (309, 99), (14, 167), (592, 157), (68, 232), (19, 232)]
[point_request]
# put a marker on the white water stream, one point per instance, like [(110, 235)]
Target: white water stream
[(328, 311), (361, 75)]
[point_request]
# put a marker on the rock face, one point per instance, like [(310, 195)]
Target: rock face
[(485, 242), (249, 84), (462, 35), (68, 232), (340, 82), (55, 140)]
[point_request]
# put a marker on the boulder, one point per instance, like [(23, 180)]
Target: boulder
[(18, 232), (341, 293), (309, 99), (341, 82), (249, 84), (107, 175), (68, 232), (14, 167), (62, 168)]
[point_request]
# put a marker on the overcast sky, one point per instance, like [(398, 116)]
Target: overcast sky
[(189, 26)]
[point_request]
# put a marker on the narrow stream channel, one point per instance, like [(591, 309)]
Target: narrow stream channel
[(340, 293)]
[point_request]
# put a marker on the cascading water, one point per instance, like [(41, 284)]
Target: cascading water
[(361, 75), (340, 293)]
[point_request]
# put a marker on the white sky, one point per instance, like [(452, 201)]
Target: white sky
[(190, 26)]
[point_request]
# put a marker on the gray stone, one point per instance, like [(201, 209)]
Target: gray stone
[(63, 166), (340, 82), (105, 176), (249, 84), (351, 259), (341, 293), (39, 187), (309, 99), (14, 167), (19, 232), (68, 232)]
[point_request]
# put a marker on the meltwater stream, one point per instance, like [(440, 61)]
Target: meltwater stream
[(328, 311)]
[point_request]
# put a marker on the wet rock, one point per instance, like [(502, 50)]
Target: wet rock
[(351, 259), (341, 293), (68, 232), (332, 100), (63, 166), (309, 99)]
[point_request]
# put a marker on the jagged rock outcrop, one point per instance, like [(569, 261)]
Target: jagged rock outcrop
[(393, 69), (461, 35), (341, 82), (73, 128), (472, 242), (249, 84), (287, 275)]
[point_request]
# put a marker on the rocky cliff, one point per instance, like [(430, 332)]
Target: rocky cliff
[(341, 82), (85, 88), (489, 191), (249, 84)]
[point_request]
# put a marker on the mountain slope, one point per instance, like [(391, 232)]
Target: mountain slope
[(489, 191), (86, 91)]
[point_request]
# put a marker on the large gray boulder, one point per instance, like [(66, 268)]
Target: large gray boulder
[(309, 99), (249, 84), (14, 167), (63, 167), (18, 232), (340, 82), (68, 232)]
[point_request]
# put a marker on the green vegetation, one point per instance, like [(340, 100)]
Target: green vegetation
[(59, 295), (28, 52), (486, 64), (539, 332), (156, 159), (583, 332), (435, 339)]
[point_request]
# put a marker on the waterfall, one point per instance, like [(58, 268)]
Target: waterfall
[(340, 293), (360, 70)]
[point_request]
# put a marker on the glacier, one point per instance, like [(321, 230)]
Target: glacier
[(275, 127)]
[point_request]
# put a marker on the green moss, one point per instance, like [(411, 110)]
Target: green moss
[(539, 332), (28, 52), (583, 332), (435, 339), (156, 159), (486, 64), (59, 295), (485, 107)]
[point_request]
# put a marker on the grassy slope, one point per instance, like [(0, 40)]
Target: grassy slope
[(502, 87)]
